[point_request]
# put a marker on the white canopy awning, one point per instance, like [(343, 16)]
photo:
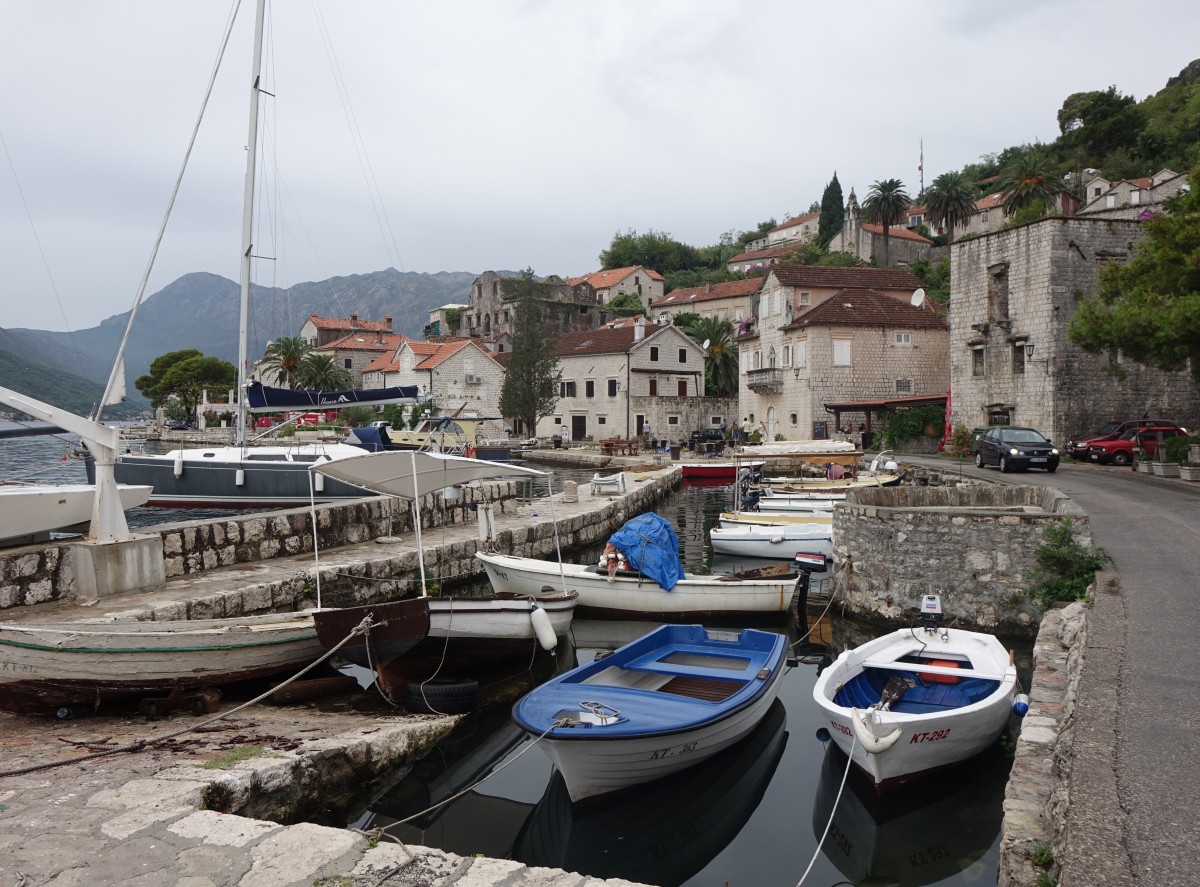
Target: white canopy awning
[(410, 474)]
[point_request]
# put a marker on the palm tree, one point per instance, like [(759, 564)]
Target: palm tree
[(950, 201), (320, 372), (284, 358), (721, 364), (1026, 182), (886, 205)]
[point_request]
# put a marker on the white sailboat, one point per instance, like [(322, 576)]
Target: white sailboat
[(241, 475)]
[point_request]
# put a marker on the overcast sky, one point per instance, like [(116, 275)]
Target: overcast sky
[(504, 134)]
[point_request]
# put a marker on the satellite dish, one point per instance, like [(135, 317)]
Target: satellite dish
[(918, 298), (705, 345)]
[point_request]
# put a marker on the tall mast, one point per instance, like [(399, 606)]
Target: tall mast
[(248, 226)]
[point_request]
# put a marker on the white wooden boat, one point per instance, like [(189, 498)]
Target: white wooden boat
[(28, 512), (44, 665), (916, 700), (779, 541), (773, 502), (770, 519), (671, 699), (756, 593)]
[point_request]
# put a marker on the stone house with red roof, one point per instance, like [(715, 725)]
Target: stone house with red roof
[(355, 352), (457, 374), (319, 331), (644, 283), (731, 300), (793, 232), (490, 312), (620, 379), (832, 335), (1131, 198)]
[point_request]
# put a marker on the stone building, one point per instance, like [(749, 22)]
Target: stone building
[(865, 240), (1014, 293), (319, 331), (732, 301), (1132, 198), (635, 280), (817, 343), (355, 352), (620, 378), (459, 374), (491, 311), (793, 232)]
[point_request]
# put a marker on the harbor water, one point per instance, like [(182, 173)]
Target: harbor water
[(754, 815)]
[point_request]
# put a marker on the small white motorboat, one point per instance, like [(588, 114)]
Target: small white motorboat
[(917, 699), (776, 541)]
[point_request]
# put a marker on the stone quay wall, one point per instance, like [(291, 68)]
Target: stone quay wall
[(971, 544)]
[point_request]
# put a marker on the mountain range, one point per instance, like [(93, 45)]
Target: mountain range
[(200, 311)]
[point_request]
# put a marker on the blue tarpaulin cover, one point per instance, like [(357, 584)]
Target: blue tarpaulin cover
[(651, 547)]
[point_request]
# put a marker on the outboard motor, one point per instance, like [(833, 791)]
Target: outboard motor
[(750, 500), (931, 613)]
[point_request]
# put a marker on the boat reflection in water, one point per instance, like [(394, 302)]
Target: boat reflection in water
[(663, 832), (938, 827)]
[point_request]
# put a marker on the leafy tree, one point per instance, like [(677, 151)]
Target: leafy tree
[(183, 376), (626, 305), (321, 372), (886, 205), (653, 250), (283, 359), (833, 212), (1097, 124), (746, 236), (530, 390), (1027, 181), (812, 254), (697, 277), (1149, 308), (936, 277), (354, 416), (950, 200)]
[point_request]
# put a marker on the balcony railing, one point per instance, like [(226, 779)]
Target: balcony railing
[(768, 378)]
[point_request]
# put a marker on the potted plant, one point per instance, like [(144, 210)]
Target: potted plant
[(1189, 470), (1143, 464), (1166, 469)]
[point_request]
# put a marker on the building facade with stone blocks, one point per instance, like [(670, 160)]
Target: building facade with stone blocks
[(491, 311), (732, 301), (439, 320), (1132, 198), (319, 331), (354, 353), (1013, 294), (458, 375), (855, 344), (644, 283), (621, 379), (793, 232)]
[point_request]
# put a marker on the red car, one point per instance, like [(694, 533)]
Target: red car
[(1078, 446), (1121, 450)]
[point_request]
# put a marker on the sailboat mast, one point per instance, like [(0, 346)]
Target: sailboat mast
[(248, 226)]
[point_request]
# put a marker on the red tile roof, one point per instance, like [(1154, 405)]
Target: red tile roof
[(368, 342), (899, 233), (989, 201), (601, 341), (792, 223), (729, 290), (350, 324), (773, 253), (853, 277), (867, 307), (605, 279)]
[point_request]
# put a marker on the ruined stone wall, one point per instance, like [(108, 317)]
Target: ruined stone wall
[(970, 544)]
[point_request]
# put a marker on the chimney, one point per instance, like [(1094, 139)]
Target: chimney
[(353, 320), (387, 322), (639, 328), (708, 287)]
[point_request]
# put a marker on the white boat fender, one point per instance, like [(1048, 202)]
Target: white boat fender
[(239, 477), (1020, 705), (318, 482), (179, 464), (542, 628), (865, 734), (777, 539)]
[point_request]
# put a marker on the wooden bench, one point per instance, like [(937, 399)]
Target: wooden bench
[(616, 446)]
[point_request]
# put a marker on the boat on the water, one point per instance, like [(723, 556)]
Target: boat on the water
[(29, 512), (696, 813), (667, 701), (773, 541), (44, 665), (918, 699), (725, 470)]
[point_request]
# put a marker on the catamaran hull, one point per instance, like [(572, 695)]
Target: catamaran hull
[(44, 665), (625, 596), (198, 481)]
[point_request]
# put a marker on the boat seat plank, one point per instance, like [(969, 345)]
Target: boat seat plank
[(706, 689), (921, 668)]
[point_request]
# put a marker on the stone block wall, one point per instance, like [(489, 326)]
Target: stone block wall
[(970, 544)]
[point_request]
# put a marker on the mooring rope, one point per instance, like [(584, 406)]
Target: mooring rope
[(833, 812), (362, 628)]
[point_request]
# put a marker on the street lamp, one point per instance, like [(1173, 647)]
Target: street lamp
[(1029, 350), (796, 372)]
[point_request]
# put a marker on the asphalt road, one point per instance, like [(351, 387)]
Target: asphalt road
[(1151, 528)]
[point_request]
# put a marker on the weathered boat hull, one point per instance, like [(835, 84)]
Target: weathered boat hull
[(44, 665), (625, 596), (31, 511), (773, 542)]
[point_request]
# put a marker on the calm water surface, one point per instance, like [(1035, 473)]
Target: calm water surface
[(752, 816)]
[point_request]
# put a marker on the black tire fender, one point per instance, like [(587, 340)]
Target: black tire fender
[(442, 696)]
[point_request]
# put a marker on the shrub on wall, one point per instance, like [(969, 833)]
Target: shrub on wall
[(1065, 566), (910, 424)]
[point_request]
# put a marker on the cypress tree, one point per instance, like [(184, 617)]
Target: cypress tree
[(530, 390), (833, 213)]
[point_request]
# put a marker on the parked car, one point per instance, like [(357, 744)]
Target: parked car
[(1123, 449), (178, 424), (1077, 447), (712, 436), (1011, 448)]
